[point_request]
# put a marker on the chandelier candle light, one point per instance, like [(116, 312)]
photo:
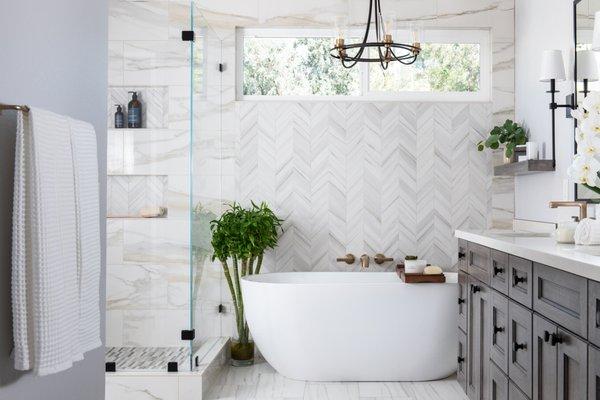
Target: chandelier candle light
[(386, 50)]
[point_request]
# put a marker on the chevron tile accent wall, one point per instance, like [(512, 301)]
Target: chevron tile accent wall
[(395, 178)]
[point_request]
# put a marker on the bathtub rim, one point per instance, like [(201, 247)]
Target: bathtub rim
[(451, 279)]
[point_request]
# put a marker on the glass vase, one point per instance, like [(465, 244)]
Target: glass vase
[(242, 353)]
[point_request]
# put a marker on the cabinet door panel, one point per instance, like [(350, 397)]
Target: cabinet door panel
[(500, 271), (462, 255), (478, 351), (520, 359), (545, 360), (594, 313), (461, 370), (520, 286), (594, 373), (561, 297), (479, 261), (515, 394), (498, 384), (499, 349), (572, 367), (463, 300)]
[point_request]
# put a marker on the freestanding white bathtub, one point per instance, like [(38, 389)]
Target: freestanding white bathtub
[(353, 326)]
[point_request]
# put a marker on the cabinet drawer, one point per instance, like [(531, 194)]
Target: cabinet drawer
[(520, 357), (545, 359), (461, 370), (594, 313), (515, 394), (462, 255), (463, 301), (561, 297), (594, 373), (499, 271), (479, 262), (572, 366), (499, 331), (498, 384), (520, 280)]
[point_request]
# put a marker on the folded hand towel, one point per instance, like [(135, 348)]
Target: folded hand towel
[(588, 232), (85, 166), (45, 283)]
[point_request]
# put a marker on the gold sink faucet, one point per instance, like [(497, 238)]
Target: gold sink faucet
[(582, 205)]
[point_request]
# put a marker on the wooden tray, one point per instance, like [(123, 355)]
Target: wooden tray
[(419, 278)]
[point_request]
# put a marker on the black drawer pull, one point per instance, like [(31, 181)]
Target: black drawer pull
[(519, 279), (519, 346), (461, 359), (461, 301), (498, 270), (498, 329), (475, 288), (546, 336), (556, 339), (461, 255)]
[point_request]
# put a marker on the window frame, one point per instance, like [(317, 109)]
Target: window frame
[(472, 36)]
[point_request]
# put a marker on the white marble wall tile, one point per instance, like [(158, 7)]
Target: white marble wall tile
[(114, 328), (128, 194), (179, 107), (159, 241), (191, 387), (155, 328), (180, 12), (115, 152), (155, 105), (115, 63), (503, 82), (114, 241), (141, 388), (156, 152), (138, 20), (151, 63)]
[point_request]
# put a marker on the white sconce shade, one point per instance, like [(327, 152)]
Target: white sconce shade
[(596, 40), (587, 66), (553, 66)]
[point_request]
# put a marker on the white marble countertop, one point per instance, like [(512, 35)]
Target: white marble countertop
[(580, 260)]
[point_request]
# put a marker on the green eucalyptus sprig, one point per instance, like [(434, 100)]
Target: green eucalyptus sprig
[(510, 134), (240, 237)]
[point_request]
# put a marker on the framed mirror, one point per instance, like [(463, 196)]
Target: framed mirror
[(585, 68)]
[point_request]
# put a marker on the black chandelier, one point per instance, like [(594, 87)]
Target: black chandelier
[(387, 49)]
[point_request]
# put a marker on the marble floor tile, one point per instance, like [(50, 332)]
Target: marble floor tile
[(262, 382)]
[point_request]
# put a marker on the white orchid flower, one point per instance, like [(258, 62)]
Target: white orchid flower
[(584, 170), (590, 146), (591, 125), (580, 114), (580, 136), (592, 103)]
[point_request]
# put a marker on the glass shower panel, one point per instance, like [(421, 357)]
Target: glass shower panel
[(149, 283), (206, 182)]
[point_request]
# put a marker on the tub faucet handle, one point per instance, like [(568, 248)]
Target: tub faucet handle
[(348, 259), (380, 258), (364, 261)]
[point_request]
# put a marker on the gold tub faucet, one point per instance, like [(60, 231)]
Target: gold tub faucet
[(364, 261), (582, 205)]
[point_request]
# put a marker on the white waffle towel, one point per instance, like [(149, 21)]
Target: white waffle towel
[(51, 287), (587, 232)]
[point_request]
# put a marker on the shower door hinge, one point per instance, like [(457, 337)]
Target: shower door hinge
[(172, 366), (188, 334), (110, 366), (221, 67), (187, 36), (221, 309)]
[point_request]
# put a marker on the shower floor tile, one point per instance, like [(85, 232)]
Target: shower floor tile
[(261, 382), (148, 358)]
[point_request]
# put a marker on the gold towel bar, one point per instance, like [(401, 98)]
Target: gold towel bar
[(13, 107)]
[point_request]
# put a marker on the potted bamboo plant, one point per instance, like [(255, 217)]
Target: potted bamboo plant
[(239, 239)]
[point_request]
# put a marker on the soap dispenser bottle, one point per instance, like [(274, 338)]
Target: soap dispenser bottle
[(134, 112), (119, 117)]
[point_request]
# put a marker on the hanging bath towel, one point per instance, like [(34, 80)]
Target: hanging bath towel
[(45, 276)]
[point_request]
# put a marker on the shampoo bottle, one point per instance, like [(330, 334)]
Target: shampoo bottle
[(134, 112), (119, 117)]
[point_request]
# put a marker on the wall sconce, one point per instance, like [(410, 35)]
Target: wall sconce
[(553, 69), (587, 69)]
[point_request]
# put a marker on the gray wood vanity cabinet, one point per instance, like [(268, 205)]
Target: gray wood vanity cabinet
[(526, 330)]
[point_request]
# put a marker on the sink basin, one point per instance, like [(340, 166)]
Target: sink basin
[(520, 234)]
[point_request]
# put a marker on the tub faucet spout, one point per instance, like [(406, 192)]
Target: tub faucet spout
[(364, 261)]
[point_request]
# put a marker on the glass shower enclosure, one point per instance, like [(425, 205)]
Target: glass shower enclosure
[(164, 187)]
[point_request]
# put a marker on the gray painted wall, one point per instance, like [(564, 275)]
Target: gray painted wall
[(53, 54)]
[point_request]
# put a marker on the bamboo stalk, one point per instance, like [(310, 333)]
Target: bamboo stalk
[(259, 263)]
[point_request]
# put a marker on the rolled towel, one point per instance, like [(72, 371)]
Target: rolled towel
[(588, 232)]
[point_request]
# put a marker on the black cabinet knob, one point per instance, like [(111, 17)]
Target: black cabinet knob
[(519, 279), (461, 301), (498, 270), (556, 339), (475, 288), (519, 346), (498, 329), (461, 359), (546, 336)]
